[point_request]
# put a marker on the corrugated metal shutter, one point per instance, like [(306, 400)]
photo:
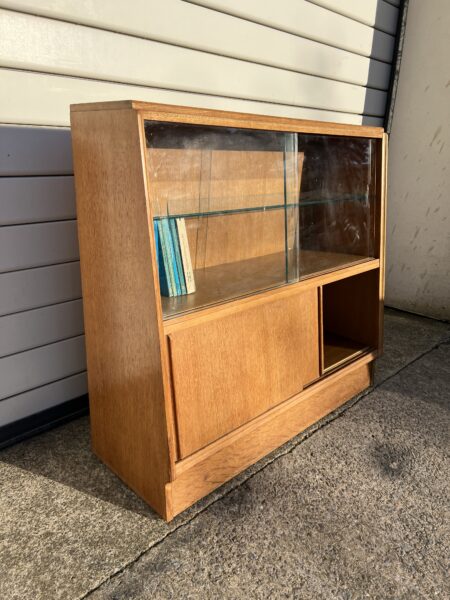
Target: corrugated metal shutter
[(327, 59)]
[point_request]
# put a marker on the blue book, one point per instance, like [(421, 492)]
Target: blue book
[(163, 284), (173, 271), (178, 259), (166, 260)]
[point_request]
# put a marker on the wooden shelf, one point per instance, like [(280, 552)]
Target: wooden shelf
[(222, 283), (338, 350)]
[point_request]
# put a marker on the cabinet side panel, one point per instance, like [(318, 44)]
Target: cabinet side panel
[(122, 317)]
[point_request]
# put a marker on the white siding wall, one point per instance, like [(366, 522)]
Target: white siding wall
[(327, 59), (418, 234)]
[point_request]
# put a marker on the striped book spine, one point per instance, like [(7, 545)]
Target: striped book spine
[(186, 256), (166, 259), (163, 284), (173, 273), (178, 260)]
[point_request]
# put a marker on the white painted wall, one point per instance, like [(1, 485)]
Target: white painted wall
[(418, 232), (323, 59)]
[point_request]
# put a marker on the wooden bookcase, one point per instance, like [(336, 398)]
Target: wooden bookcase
[(285, 223)]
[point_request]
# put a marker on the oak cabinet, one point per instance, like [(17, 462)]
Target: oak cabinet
[(233, 282)]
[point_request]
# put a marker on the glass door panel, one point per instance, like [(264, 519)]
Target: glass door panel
[(337, 202), (239, 211), (226, 211)]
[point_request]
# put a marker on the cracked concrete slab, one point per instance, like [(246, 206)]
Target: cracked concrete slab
[(68, 524), (406, 338), (359, 510)]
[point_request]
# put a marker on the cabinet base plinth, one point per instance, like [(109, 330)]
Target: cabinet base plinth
[(206, 470)]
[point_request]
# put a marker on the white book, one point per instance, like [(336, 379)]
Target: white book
[(186, 256)]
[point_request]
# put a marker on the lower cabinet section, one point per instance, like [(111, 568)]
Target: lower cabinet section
[(203, 472), (231, 369)]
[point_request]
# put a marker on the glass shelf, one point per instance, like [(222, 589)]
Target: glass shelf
[(302, 204), (234, 211), (254, 209)]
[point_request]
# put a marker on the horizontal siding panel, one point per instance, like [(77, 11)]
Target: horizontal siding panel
[(294, 58), (308, 20), (375, 13), (53, 94), (33, 288), (21, 148), (31, 369), (40, 44), (42, 398), (37, 245), (192, 26), (33, 328), (34, 199)]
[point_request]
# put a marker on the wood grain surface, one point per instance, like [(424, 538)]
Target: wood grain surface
[(230, 370), (203, 472), (121, 308), (205, 116)]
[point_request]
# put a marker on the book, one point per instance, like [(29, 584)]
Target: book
[(185, 256), (178, 260), (166, 260), (163, 283), (176, 276), (172, 265)]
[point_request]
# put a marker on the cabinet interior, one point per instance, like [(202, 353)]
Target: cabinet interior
[(261, 209), (350, 318)]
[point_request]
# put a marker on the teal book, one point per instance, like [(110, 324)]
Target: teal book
[(166, 259), (178, 259), (173, 271), (163, 284)]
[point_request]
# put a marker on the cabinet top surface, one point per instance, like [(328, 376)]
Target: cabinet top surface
[(171, 112)]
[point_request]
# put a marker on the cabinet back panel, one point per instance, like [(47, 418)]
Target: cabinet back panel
[(351, 308), (232, 369), (191, 182), (219, 239)]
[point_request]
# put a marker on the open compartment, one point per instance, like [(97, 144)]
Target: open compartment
[(350, 319)]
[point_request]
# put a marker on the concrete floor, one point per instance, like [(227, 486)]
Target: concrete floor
[(356, 507)]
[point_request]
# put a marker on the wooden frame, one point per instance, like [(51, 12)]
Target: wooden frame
[(136, 358)]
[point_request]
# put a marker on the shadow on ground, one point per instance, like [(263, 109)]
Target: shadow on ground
[(64, 455), (68, 524)]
